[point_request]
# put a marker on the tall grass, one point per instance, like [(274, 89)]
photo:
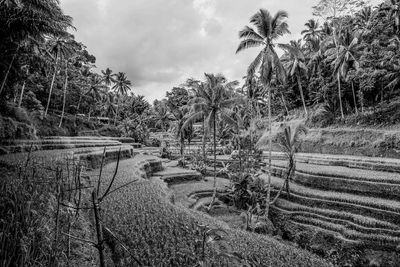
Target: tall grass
[(40, 201)]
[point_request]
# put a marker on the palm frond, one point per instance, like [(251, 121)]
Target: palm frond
[(247, 43)]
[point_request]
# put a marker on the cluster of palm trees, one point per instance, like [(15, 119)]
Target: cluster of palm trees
[(40, 59), (329, 54), (117, 82)]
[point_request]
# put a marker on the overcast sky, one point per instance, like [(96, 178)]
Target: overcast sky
[(161, 43)]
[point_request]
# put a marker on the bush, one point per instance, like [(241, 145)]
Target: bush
[(32, 103)]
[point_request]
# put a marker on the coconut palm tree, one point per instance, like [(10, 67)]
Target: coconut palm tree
[(267, 30), (162, 116), (344, 56), (393, 6), (108, 107), (26, 19), (108, 77), (364, 18), (312, 31), (213, 104), (60, 48), (294, 63), (197, 87), (122, 86), (256, 96)]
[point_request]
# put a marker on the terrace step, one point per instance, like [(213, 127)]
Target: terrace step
[(313, 228), (368, 239), (61, 142), (368, 163), (350, 218), (173, 175), (93, 157), (343, 179), (386, 210), (347, 225), (118, 139)]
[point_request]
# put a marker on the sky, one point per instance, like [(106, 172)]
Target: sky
[(161, 43)]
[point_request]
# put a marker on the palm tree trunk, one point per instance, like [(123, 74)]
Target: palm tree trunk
[(251, 120), (79, 104), (50, 92), (239, 152), (215, 164), (302, 94), (354, 97), (269, 153), (65, 94), (361, 99), (22, 94), (279, 192), (182, 148), (204, 140), (292, 168), (8, 70), (51, 86), (116, 113), (340, 96), (284, 104)]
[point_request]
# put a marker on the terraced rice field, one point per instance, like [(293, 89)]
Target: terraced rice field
[(355, 198), (160, 233)]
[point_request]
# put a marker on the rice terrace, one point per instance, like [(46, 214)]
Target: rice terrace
[(200, 133)]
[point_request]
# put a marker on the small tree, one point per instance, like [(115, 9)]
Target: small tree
[(289, 141)]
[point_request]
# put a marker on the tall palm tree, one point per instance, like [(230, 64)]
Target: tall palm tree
[(343, 56), (268, 29), (26, 19), (196, 90), (213, 104), (256, 96), (294, 63), (108, 107), (96, 90), (108, 77), (60, 48), (312, 31), (181, 128), (122, 86)]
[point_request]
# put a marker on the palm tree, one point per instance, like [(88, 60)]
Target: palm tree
[(313, 32), (343, 56), (181, 128), (255, 95), (64, 94), (197, 88), (393, 6), (108, 108), (108, 77), (60, 48), (26, 19), (326, 29), (122, 86), (315, 57), (268, 29), (289, 141), (96, 90), (294, 63), (213, 104), (364, 18), (162, 116)]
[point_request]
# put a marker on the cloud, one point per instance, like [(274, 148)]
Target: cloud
[(159, 43)]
